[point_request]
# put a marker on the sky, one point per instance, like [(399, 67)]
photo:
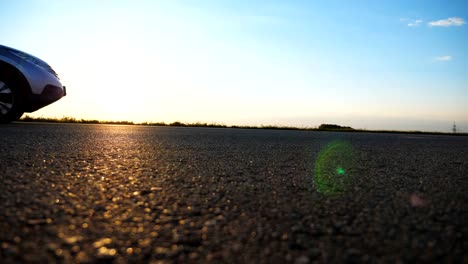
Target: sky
[(399, 65)]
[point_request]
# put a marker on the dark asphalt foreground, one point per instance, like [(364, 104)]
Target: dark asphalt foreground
[(100, 193)]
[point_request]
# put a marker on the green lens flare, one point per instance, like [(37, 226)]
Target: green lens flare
[(340, 171), (332, 167)]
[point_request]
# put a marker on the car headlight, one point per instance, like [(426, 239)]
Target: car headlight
[(34, 61)]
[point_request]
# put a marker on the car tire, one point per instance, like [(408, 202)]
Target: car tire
[(10, 100)]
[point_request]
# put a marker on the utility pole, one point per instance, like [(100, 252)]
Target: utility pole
[(454, 128)]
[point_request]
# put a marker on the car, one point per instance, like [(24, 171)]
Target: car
[(27, 84)]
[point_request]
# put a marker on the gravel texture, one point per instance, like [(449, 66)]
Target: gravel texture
[(130, 194)]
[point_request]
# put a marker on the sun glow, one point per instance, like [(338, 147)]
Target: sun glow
[(167, 61)]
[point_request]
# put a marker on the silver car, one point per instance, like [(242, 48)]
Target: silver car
[(26, 84)]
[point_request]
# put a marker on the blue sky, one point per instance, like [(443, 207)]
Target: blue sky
[(365, 64)]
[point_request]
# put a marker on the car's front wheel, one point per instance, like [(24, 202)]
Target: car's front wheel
[(10, 101)]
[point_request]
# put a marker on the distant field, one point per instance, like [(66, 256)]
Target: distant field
[(323, 127)]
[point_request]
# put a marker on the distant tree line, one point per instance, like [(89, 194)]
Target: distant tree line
[(322, 127), (334, 127)]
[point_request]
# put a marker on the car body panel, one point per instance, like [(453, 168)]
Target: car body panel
[(44, 84)]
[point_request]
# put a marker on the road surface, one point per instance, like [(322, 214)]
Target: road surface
[(131, 194)]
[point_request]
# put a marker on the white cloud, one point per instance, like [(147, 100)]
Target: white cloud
[(443, 58), (452, 21), (411, 22), (415, 23)]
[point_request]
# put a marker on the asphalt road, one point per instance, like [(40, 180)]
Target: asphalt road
[(102, 193)]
